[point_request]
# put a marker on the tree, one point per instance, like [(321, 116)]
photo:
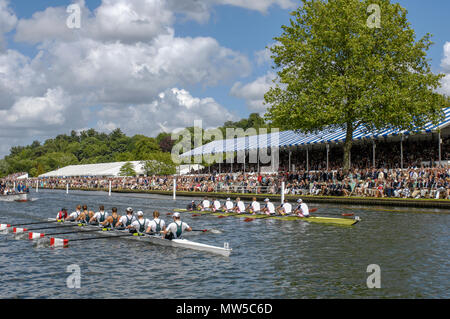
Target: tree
[(337, 69), (127, 169), (159, 164)]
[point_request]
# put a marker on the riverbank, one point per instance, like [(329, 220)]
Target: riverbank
[(366, 201)]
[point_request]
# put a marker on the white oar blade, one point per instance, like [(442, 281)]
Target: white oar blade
[(33, 236), (58, 242), (4, 226)]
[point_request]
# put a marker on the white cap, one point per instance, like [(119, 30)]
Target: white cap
[(140, 213), (228, 198), (177, 215), (129, 209), (267, 200), (299, 200)]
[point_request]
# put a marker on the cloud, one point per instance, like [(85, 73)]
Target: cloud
[(172, 109), (8, 21), (253, 92), (445, 64), (200, 10)]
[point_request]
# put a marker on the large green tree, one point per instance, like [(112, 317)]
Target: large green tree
[(352, 63)]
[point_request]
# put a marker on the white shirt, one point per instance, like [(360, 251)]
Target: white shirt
[(98, 215), (137, 224), (270, 207), (154, 223), (304, 209), (173, 228), (124, 219), (240, 205), (216, 204), (75, 215), (206, 203), (256, 206), (229, 205), (287, 208)]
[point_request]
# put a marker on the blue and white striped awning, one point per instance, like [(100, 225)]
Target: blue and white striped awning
[(291, 138)]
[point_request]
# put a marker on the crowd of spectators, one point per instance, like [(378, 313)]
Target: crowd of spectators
[(408, 183), (421, 178)]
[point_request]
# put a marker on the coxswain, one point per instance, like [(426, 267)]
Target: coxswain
[(177, 228), (302, 209), (285, 208), (192, 206), (100, 216), (205, 205), (112, 220), (126, 220), (228, 206), (62, 215), (85, 215), (140, 225), (269, 208), (157, 225), (240, 207), (216, 205), (75, 215), (254, 207)]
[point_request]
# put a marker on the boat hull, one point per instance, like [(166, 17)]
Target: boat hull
[(14, 197), (312, 219), (158, 240)]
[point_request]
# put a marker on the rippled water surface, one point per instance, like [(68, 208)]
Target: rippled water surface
[(270, 259)]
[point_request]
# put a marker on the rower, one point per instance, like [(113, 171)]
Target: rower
[(228, 205), (99, 217), (85, 215), (302, 209), (240, 207), (62, 215), (285, 208), (216, 205), (254, 208), (140, 225), (175, 230), (206, 204), (156, 225), (111, 221), (75, 215), (191, 206), (127, 220), (269, 208)]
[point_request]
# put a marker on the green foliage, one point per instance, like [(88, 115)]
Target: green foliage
[(159, 164), (336, 71), (127, 169)]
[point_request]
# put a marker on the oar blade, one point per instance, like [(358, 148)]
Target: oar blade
[(58, 242), (33, 236)]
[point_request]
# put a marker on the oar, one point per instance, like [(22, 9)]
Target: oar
[(57, 242), (61, 226), (79, 231), (36, 223), (202, 230)]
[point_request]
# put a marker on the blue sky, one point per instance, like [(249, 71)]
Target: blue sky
[(230, 36)]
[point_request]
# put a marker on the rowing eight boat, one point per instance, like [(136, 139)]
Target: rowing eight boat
[(312, 219), (158, 240)]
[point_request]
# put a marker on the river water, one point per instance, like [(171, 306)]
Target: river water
[(270, 259)]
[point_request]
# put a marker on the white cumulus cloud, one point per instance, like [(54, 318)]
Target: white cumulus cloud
[(253, 92)]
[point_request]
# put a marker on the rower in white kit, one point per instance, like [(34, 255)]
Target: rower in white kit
[(75, 215), (228, 206), (302, 209), (206, 204), (216, 205), (126, 220), (240, 207), (254, 207), (157, 225), (100, 216), (285, 208), (140, 225), (176, 229), (269, 208)]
